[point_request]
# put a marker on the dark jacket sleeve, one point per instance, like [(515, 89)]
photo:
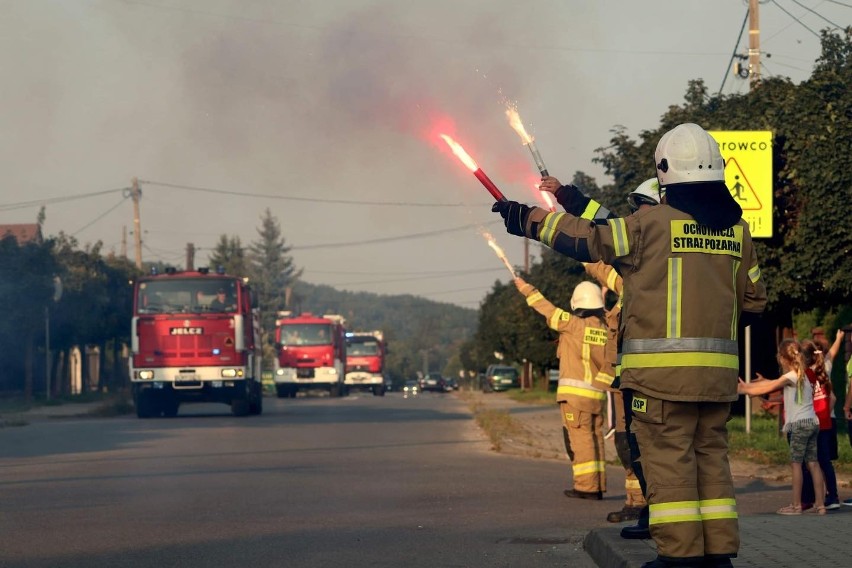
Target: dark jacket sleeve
[(579, 205)]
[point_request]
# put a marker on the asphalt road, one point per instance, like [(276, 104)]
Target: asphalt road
[(356, 481)]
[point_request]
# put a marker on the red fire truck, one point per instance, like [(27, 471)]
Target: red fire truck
[(195, 337), (311, 353), (365, 361)]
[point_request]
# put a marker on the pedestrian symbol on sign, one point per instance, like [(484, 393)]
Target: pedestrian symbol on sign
[(739, 186)]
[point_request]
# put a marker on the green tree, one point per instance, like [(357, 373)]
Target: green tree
[(26, 288), (272, 273), (230, 254), (96, 304)]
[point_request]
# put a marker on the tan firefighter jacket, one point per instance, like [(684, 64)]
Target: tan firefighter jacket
[(607, 277), (685, 287), (584, 372)]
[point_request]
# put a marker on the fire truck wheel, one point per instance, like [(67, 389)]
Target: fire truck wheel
[(240, 407), (145, 407), (281, 391), (256, 403), (334, 391), (378, 391), (170, 408)]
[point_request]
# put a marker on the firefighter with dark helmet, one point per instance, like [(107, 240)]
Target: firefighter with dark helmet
[(691, 281), (584, 376)]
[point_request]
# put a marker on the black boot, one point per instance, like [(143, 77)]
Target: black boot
[(626, 513), (574, 494), (640, 530)]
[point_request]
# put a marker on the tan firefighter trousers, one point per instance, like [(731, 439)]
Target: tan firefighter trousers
[(585, 431), (684, 447)]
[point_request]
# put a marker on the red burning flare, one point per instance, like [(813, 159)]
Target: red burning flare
[(471, 165)]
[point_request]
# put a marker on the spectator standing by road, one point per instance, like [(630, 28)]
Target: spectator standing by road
[(583, 377), (824, 400), (691, 280), (800, 422)]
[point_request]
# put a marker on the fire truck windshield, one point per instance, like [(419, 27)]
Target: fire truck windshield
[(369, 347), (306, 334), (187, 295)]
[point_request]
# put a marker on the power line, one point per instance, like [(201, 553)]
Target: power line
[(815, 12), (305, 199), (51, 200), (462, 273), (795, 18), (392, 239), (373, 35), (404, 273), (839, 3), (99, 217), (734, 54)]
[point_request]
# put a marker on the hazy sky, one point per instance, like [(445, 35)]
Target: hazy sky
[(332, 108)]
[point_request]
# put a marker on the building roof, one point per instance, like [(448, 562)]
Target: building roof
[(22, 232)]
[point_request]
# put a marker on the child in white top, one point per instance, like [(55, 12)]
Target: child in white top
[(800, 422)]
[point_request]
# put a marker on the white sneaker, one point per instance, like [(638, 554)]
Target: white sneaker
[(847, 502), (834, 506)]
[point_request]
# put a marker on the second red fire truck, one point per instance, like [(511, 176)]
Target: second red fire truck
[(311, 353), (365, 361)]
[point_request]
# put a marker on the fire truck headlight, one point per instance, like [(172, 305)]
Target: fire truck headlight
[(279, 372), (229, 373), (146, 375), (332, 371)]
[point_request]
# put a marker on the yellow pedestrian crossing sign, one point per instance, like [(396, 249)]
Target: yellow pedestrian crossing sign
[(748, 175)]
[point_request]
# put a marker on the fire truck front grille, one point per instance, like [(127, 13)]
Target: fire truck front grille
[(186, 345), (363, 368)]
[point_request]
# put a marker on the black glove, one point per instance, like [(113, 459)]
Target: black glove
[(514, 216)]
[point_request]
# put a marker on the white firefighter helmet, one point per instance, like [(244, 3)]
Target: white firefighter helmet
[(648, 193), (587, 296), (688, 154)]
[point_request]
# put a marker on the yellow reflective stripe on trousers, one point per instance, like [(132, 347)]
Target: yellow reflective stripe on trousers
[(534, 297), (754, 273), (674, 299), (548, 230), (591, 209), (553, 322), (632, 484), (712, 509), (736, 310), (586, 468), (619, 236), (674, 512), (686, 359)]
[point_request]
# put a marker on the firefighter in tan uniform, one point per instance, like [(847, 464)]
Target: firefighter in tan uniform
[(647, 194), (691, 279), (583, 377), (634, 499)]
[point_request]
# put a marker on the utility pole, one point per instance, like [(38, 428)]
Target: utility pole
[(136, 195), (190, 256), (753, 43), (124, 241)]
